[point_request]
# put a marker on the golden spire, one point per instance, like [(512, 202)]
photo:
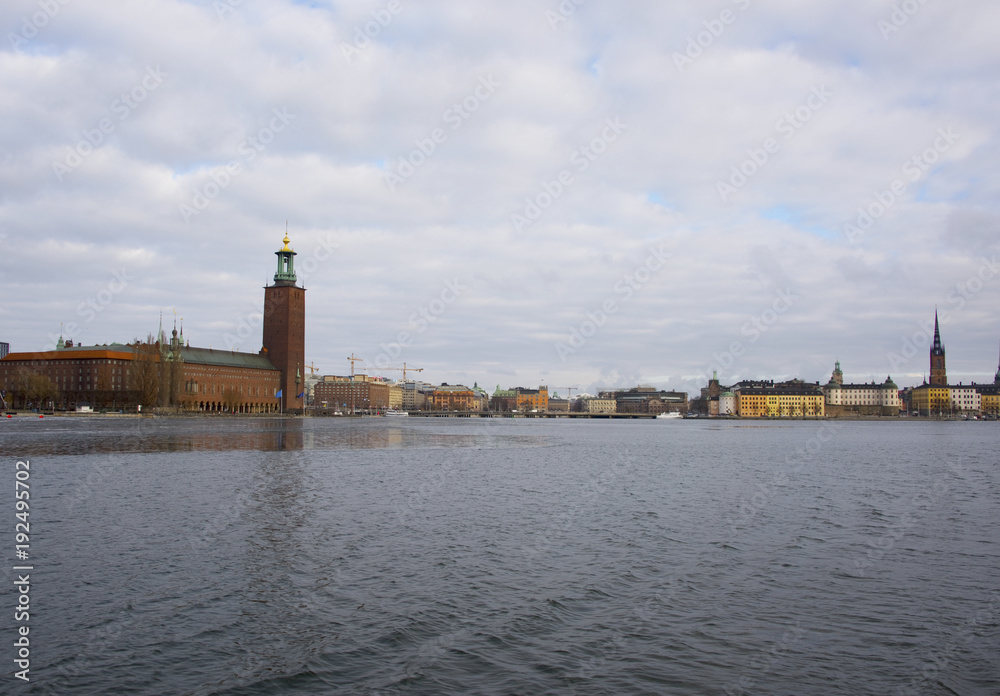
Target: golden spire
[(285, 240)]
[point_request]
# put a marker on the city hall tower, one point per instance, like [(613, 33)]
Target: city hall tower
[(285, 330)]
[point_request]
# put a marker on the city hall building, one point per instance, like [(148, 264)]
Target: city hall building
[(167, 372)]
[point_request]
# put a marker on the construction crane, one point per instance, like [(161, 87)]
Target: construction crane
[(353, 359), (312, 368), (405, 369)]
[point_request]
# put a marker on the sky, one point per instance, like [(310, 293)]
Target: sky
[(577, 194)]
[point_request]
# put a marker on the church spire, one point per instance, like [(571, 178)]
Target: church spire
[(996, 379), (938, 375), (937, 348)]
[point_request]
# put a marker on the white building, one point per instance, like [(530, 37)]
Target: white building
[(873, 394), (966, 398)]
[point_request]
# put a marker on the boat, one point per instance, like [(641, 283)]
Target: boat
[(670, 414), (394, 412)]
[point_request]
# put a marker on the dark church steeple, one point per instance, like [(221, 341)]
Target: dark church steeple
[(938, 374), (996, 378)]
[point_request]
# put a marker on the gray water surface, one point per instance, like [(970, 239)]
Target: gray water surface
[(455, 556)]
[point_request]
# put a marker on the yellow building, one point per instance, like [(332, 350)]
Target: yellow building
[(794, 399), (395, 396), (931, 400), (990, 399)]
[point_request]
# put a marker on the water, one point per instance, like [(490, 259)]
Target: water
[(447, 556)]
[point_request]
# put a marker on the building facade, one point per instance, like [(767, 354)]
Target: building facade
[(97, 376), (866, 399), (533, 399), (449, 397), (647, 399), (765, 399), (358, 395), (599, 405), (168, 372)]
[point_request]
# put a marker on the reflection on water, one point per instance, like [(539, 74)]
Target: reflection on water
[(375, 556), (55, 436)]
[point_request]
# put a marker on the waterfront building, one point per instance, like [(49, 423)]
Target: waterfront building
[(597, 404), (937, 397), (965, 398), (169, 372), (450, 397), (867, 399), (792, 399), (68, 377), (503, 400), (359, 394), (647, 399), (557, 405), (415, 395), (482, 402), (155, 374), (396, 396), (533, 399), (990, 399), (727, 404), (4, 349)]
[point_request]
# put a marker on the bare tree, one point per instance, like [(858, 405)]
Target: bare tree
[(232, 399), (34, 390), (144, 372)]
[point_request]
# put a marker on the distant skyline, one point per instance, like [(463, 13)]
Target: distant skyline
[(572, 194)]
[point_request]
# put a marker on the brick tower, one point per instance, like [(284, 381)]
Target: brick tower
[(285, 329), (938, 374)]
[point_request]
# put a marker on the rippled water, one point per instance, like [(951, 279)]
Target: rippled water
[(447, 556)]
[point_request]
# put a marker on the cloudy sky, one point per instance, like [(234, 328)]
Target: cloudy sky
[(585, 193)]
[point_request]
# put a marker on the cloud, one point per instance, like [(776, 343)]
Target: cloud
[(208, 129)]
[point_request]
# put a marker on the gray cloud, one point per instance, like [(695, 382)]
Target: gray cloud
[(349, 121)]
